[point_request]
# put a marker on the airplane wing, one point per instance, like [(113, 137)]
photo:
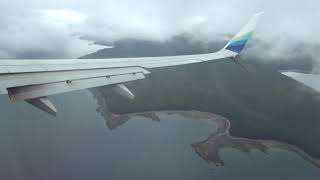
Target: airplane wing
[(33, 80)]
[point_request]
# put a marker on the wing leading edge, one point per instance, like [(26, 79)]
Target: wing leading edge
[(33, 80)]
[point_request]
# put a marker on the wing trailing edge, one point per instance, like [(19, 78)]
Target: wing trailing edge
[(35, 91)]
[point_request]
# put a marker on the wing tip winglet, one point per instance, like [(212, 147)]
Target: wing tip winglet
[(238, 42)]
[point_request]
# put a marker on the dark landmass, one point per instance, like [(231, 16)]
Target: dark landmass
[(180, 45), (260, 104)]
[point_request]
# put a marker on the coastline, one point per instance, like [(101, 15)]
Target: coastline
[(209, 148)]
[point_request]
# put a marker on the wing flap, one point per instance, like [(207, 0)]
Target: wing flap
[(35, 91), (25, 79)]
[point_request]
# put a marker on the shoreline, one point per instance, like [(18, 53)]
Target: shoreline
[(209, 148)]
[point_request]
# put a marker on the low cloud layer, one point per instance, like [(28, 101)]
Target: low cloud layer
[(51, 29)]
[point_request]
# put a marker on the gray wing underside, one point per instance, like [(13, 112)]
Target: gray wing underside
[(33, 80)]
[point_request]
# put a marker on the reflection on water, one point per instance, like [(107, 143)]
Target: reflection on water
[(150, 145)]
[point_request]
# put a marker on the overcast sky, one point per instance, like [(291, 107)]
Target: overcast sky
[(51, 29)]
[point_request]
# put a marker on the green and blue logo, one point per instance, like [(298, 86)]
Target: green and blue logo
[(237, 43)]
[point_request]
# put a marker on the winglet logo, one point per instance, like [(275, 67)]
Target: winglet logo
[(237, 43)]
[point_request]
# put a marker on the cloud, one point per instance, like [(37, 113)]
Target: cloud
[(52, 27), (62, 18), (43, 34)]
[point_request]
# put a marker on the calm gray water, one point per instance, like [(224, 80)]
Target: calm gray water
[(78, 145)]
